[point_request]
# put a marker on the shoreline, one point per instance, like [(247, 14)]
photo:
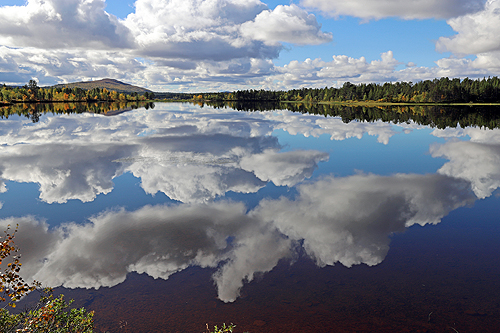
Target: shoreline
[(346, 103), (350, 103)]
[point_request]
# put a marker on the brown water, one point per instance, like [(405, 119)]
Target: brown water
[(408, 292)]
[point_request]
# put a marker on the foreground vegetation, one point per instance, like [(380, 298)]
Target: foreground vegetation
[(223, 329), (49, 315)]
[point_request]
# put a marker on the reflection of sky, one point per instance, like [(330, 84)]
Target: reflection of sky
[(177, 184), (405, 153)]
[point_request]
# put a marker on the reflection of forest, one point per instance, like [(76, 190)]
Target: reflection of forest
[(434, 116), (33, 111)]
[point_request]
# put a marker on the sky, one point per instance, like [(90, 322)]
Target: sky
[(226, 45)]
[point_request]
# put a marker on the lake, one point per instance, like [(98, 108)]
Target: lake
[(166, 217)]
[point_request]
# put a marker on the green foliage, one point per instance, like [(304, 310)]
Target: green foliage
[(443, 90), (50, 315), (32, 93), (222, 329)]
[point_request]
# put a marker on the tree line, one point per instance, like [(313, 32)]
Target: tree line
[(33, 93), (443, 90)]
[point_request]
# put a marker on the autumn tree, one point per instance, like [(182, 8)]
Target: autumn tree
[(50, 315)]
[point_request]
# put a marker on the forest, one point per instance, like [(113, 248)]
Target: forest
[(443, 90), (33, 93)]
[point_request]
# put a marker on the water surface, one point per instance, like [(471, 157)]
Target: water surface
[(168, 218)]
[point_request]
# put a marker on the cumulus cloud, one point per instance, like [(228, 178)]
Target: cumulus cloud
[(476, 32), (157, 240), (157, 45), (341, 69), (51, 66), (162, 29), (285, 24), (62, 24), (231, 153), (416, 9), (319, 73), (338, 220), (223, 29)]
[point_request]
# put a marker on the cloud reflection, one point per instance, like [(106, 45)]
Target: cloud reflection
[(477, 160), (77, 157), (338, 220), (194, 156)]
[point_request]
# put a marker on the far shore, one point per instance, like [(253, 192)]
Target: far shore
[(350, 103), (347, 103)]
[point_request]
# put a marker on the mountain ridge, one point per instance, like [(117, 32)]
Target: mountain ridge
[(109, 84)]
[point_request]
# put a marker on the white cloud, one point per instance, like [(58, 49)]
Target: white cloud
[(415, 9), (157, 240), (288, 24), (51, 66), (156, 46), (170, 29), (318, 73), (476, 33), (179, 29), (62, 24)]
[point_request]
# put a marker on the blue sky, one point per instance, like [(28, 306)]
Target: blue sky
[(213, 45)]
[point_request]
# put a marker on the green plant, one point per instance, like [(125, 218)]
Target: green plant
[(222, 329), (53, 315)]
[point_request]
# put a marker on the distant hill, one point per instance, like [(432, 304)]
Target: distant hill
[(109, 84)]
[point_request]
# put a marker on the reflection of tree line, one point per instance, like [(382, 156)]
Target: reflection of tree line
[(434, 116), (242, 105), (33, 111)]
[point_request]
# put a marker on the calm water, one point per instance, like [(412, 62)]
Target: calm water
[(169, 218)]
